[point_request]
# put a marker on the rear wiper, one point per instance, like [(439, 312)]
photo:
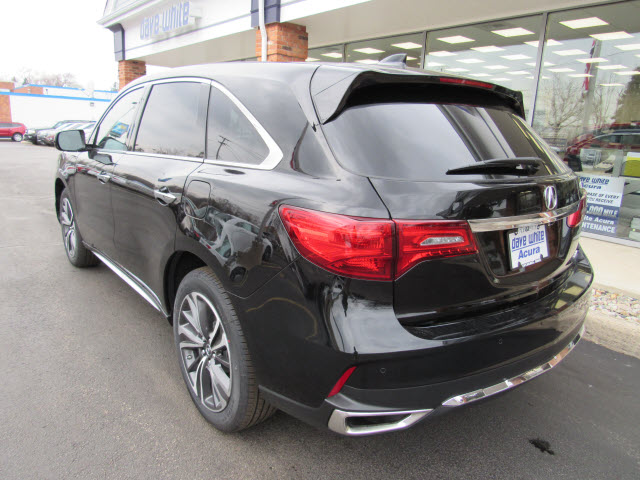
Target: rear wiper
[(501, 166)]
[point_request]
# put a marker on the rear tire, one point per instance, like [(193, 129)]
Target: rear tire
[(77, 253), (213, 355), (17, 137)]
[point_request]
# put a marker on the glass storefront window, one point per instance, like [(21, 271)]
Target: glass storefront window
[(588, 109), (372, 51), (325, 54), (502, 52)]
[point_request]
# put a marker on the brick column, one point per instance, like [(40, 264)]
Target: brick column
[(286, 42), (129, 70), (5, 103)]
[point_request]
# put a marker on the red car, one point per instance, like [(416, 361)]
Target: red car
[(14, 131), (626, 140)]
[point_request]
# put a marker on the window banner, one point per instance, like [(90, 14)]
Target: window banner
[(604, 197)]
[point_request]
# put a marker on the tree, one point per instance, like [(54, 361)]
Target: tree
[(604, 99), (54, 79), (629, 102), (564, 104)]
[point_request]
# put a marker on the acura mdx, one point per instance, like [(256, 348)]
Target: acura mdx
[(359, 246)]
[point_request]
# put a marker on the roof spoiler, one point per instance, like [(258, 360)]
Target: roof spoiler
[(334, 89)]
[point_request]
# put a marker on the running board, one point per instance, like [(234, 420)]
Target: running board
[(133, 281)]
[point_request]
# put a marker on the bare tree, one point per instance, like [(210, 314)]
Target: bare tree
[(54, 79), (604, 102), (564, 105)]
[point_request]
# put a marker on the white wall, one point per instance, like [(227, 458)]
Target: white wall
[(42, 111)]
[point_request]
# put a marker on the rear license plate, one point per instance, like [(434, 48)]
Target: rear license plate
[(528, 245)]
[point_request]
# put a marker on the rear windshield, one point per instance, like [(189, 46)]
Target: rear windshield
[(422, 141)]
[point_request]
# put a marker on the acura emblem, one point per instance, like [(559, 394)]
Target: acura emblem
[(550, 197)]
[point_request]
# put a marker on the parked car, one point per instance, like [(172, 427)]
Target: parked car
[(49, 136), (423, 239), (589, 150), (14, 131), (32, 133)]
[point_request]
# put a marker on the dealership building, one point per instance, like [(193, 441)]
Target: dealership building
[(576, 62)]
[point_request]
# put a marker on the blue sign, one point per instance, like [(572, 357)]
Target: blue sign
[(604, 198)]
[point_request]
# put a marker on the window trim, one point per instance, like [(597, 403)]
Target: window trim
[(272, 159), (275, 154), (98, 124)]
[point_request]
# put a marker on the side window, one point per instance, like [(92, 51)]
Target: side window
[(115, 127), (230, 136), (5, 125), (174, 120)]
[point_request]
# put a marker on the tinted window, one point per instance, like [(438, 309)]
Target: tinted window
[(115, 128), (421, 141), (173, 122), (5, 125), (231, 137)]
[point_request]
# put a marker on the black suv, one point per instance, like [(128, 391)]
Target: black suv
[(358, 246)]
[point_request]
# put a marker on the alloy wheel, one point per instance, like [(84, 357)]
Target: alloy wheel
[(204, 351), (68, 227)]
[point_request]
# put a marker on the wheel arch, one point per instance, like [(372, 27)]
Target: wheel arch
[(59, 188), (178, 266)]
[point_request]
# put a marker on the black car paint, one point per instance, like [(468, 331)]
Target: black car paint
[(305, 326)]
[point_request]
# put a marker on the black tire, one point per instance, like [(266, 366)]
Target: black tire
[(77, 253), (17, 137), (242, 406)]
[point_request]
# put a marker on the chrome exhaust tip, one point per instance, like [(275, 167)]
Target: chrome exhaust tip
[(370, 423)]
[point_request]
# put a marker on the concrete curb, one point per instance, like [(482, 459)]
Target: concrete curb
[(612, 289), (614, 333)]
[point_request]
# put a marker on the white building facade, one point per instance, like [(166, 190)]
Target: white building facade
[(577, 63)]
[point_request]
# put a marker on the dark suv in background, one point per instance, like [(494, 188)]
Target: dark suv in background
[(359, 246)]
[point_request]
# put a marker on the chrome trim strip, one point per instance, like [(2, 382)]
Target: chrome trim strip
[(133, 282), (152, 154), (269, 163), (505, 223), (338, 421), (508, 384)]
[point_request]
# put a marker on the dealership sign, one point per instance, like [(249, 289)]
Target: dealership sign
[(172, 18), (604, 198)]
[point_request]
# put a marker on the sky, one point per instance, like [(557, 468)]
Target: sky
[(57, 36)]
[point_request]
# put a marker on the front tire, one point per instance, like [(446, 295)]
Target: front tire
[(17, 137), (213, 355), (77, 253)]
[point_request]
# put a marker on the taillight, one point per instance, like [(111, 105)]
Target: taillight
[(576, 217), (349, 246), (364, 247), (418, 241)]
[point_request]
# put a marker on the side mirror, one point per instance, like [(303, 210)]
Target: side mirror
[(71, 141)]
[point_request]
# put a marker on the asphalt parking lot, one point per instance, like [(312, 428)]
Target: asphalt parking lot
[(90, 388)]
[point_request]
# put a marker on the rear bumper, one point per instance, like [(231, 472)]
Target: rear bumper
[(394, 390), (350, 423), (358, 412)]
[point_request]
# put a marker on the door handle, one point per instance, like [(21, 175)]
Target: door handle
[(164, 196), (104, 177)]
